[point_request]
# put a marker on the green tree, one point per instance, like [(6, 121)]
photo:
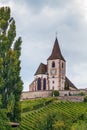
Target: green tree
[(85, 99), (4, 122), (11, 84), (59, 125), (10, 106), (80, 125), (66, 87)]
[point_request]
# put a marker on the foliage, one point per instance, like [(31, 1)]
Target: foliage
[(30, 105), (66, 87), (4, 122), (10, 106), (59, 125), (80, 125), (81, 94), (10, 51), (85, 99), (0, 100), (56, 115), (55, 93)]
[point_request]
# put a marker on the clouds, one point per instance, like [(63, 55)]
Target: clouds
[(37, 21)]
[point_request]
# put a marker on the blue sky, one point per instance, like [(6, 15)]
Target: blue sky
[(37, 22)]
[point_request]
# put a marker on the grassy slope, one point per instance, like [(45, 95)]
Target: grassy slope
[(31, 105), (36, 113)]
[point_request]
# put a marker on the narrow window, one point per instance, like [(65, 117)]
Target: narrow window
[(53, 64), (44, 84), (53, 82), (62, 65), (39, 84)]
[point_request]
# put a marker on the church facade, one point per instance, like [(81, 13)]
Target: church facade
[(52, 76)]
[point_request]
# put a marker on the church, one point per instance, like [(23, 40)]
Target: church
[(52, 76)]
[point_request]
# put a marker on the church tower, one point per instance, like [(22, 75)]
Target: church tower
[(56, 68)]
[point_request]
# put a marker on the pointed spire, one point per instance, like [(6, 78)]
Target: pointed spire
[(56, 52)]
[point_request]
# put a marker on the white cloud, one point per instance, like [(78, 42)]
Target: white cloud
[(82, 7)]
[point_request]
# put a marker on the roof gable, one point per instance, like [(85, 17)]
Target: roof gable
[(42, 69)]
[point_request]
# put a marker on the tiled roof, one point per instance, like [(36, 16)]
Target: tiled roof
[(70, 83), (42, 69), (56, 52)]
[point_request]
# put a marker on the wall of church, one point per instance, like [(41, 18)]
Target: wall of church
[(53, 83), (41, 82), (57, 80), (53, 78), (62, 73)]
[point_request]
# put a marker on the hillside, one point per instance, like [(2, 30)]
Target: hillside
[(52, 114)]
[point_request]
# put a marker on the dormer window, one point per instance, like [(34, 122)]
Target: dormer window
[(53, 64)]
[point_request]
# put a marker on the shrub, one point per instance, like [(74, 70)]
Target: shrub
[(59, 125), (80, 125), (81, 94), (85, 99), (55, 93)]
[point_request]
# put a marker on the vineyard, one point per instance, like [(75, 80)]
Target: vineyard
[(52, 114)]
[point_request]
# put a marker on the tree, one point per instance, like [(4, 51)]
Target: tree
[(11, 84), (80, 125), (10, 106), (4, 122), (85, 99), (59, 125), (66, 87)]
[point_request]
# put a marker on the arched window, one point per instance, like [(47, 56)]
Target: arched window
[(53, 64), (44, 84), (39, 84)]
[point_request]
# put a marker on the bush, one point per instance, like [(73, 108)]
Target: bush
[(59, 125), (55, 93), (80, 125), (85, 99), (81, 94)]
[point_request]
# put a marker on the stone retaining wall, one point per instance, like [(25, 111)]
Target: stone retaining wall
[(72, 98), (72, 92), (41, 94), (36, 94)]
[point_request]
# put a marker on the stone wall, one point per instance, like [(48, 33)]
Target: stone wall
[(72, 92), (72, 98), (41, 94), (36, 94)]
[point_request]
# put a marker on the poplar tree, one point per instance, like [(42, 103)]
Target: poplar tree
[(11, 84)]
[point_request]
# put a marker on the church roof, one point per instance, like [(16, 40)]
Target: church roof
[(70, 83), (42, 69), (56, 52)]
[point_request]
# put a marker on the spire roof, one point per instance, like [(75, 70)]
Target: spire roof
[(56, 52), (42, 69)]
